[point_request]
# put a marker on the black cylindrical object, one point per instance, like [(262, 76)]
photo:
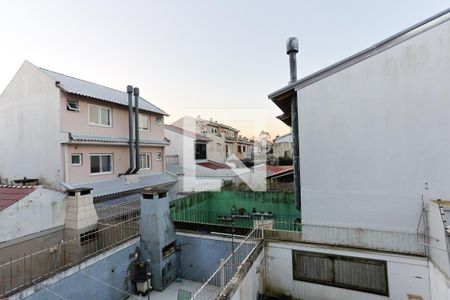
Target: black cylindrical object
[(130, 127), (136, 128)]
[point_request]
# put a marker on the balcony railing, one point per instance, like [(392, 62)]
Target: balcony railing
[(171, 159)]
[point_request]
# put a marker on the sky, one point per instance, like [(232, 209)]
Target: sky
[(217, 59)]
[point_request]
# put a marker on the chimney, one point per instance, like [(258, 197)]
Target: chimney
[(136, 128), (292, 49), (130, 127)]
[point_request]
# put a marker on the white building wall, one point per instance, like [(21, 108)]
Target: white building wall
[(253, 282), (41, 210), (407, 275), (374, 137), (439, 283), (30, 128)]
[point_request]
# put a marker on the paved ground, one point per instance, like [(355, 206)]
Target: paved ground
[(171, 291)]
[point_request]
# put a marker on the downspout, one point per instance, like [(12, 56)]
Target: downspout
[(136, 128), (292, 49), (130, 127)]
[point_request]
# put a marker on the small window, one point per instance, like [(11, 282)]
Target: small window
[(88, 236), (73, 105), (146, 160), (244, 149), (158, 155), (100, 116), (77, 159), (214, 130), (158, 120), (162, 195), (101, 163), (144, 122), (361, 274), (200, 151)]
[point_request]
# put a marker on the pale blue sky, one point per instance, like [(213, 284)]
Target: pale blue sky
[(201, 57)]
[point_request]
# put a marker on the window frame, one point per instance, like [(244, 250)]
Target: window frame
[(159, 154), (333, 283), (158, 120), (90, 106), (81, 159), (69, 108), (147, 116), (148, 154), (205, 151), (101, 173)]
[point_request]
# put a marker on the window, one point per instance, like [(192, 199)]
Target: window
[(239, 148), (158, 120), (88, 236), (200, 151), (100, 116), (214, 130), (146, 160), (101, 163), (367, 275), (158, 155), (162, 195), (244, 148), (73, 105), (77, 159), (144, 122)]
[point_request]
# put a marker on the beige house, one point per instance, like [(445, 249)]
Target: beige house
[(71, 133), (282, 146)]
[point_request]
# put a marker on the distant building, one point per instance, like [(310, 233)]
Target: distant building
[(282, 146)]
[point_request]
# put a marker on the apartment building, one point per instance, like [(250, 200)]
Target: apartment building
[(71, 133)]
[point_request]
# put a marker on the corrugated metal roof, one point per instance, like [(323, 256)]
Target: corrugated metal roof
[(81, 87), (113, 139), (187, 133), (118, 185), (10, 194)]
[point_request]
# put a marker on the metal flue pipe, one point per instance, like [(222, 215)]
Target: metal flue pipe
[(136, 128), (292, 49), (130, 127)]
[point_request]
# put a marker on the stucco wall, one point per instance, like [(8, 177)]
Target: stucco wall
[(253, 282), (78, 122), (406, 275), (30, 128), (120, 154), (41, 210), (374, 137)]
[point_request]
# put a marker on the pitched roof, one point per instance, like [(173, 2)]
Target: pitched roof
[(81, 87), (113, 139), (187, 133), (119, 186), (10, 194)]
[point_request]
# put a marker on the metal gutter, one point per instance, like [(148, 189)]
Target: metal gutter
[(366, 53)]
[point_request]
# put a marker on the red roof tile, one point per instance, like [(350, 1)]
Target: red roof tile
[(213, 165), (10, 194)]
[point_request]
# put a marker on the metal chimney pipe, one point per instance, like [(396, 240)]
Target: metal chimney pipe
[(292, 49), (130, 127), (136, 128)]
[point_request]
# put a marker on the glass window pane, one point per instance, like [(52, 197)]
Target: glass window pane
[(106, 163), (95, 164), (76, 159), (105, 116), (93, 115)]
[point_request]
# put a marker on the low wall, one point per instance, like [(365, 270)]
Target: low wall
[(200, 254), (105, 276)]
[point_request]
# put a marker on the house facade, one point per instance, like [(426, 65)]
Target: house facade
[(68, 133), (282, 146)]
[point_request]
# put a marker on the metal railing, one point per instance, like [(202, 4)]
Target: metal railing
[(171, 159), (29, 269), (119, 212), (221, 278), (241, 221)]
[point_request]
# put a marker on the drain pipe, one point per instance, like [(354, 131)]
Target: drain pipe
[(136, 128), (130, 127), (292, 49)]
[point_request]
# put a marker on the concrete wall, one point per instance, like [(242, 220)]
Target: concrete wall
[(439, 283), (438, 249), (30, 128), (279, 149), (201, 254), (105, 276), (41, 210), (374, 137), (121, 160), (407, 275), (78, 122), (253, 282)]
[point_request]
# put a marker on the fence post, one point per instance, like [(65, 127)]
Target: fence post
[(222, 273)]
